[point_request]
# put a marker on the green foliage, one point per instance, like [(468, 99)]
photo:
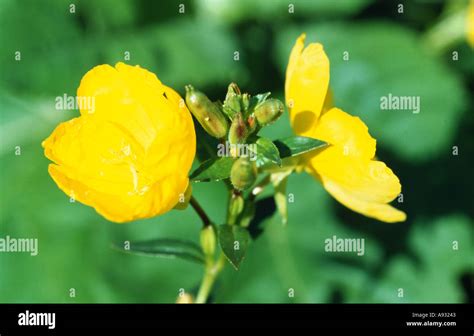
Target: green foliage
[(266, 149), (444, 251), (297, 145), (68, 53), (258, 99), (234, 241), (164, 248), (232, 11), (213, 170)]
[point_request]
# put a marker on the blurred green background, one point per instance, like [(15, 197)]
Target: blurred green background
[(407, 53)]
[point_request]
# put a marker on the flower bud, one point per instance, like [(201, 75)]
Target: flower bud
[(232, 101), (236, 205), (185, 298), (208, 241), (243, 173), (269, 111), (206, 112), (245, 101), (252, 123), (238, 131), (233, 88)]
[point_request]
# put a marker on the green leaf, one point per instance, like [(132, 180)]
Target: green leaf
[(234, 241), (165, 248), (266, 149), (213, 170), (297, 145)]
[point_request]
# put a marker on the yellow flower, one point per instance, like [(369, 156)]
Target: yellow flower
[(470, 23), (130, 156), (347, 168)]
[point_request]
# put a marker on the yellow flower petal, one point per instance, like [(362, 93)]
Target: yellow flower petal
[(380, 211), (307, 80), (362, 191), (364, 186), (128, 90), (130, 157), (99, 154), (346, 167), (347, 171), (120, 207), (470, 23), (348, 133)]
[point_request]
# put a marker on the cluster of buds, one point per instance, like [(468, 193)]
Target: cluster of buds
[(236, 120), (249, 114)]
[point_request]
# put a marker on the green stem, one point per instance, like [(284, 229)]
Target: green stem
[(200, 211), (211, 272), (231, 216), (212, 269)]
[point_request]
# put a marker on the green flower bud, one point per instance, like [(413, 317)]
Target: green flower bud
[(208, 241), (238, 131), (233, 88), (245, 102), (206, 112), (236, 205), (232, 101), (243, 173), (231, 106), (269, 111), (252, 123)]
